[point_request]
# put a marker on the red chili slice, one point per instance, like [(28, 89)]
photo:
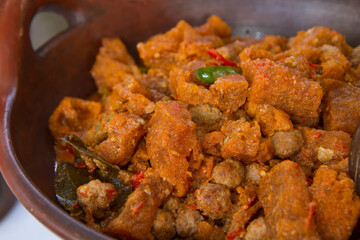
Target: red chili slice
[(220, 59)]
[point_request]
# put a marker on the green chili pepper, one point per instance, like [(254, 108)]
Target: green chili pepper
[(143, 69), (211, 73)]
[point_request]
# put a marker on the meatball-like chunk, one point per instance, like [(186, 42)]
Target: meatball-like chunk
[(187, 222), (96, 197), (256, 230), (254, 173), (172, 204), (124, 132), (287, 144), (164, 225), (213, 200), (229, 173)]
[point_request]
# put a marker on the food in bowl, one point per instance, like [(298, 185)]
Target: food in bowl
[(214, 137)]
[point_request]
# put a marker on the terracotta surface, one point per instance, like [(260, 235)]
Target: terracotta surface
[(33, 83)]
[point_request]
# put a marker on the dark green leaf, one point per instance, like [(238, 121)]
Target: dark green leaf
[(67, 179), (80, 146), (108, 175)]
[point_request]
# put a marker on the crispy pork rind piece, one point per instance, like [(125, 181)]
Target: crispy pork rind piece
[(117, 137), (322, 147), (212, 143), (183, 44), (342, 109), (284, 88), (319, 36), (184, 89), (337, 205), (242, 140), (112, 63), (286, 200), (229, 92), (172, 145), (136, 218), (74, 115), (334, 63), (253, 53), (206, 231), (270, 119)]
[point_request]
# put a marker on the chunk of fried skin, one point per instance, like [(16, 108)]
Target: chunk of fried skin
[(137, 216), (337, 205), (285, 188), (172, 143)]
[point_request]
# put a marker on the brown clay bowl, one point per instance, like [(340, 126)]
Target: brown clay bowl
[(32, 83)]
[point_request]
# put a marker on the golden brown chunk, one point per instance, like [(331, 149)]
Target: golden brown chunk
[(334, 63), (242, 141), (122, 132), (312, 54), (284, 195), (265, 152), (215, 26), (337, 205), (74, 115), (129, 90), (183, 44), (112, 64), (207, 231), (160, 50), (229, 92), (319, 36), (139, 212), (231, 51), (212, 143), (329, 84), (301, 64), (274, 44), (185, 90), (240, 219), (342, 109), (157, 81), (322, 147), (268, 80), (170, 142), (253, 53), (270, 118), (139, 105)]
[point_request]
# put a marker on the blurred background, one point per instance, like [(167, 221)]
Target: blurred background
[(16, 223)]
